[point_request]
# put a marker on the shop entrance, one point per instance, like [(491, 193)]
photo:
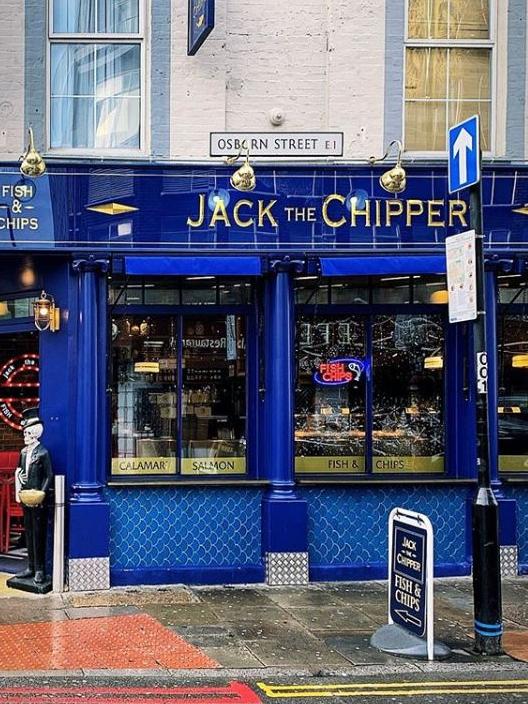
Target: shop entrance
[(19, 389)]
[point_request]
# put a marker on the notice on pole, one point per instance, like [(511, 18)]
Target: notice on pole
[(411, 573), (461, 277)]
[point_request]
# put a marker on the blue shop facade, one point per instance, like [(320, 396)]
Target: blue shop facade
[(244, 385)]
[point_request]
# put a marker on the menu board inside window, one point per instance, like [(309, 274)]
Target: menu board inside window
[(330, 395)]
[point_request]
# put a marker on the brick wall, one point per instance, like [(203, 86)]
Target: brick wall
[(11, 346)]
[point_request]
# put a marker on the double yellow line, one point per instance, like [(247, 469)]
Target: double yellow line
[(393, 689)]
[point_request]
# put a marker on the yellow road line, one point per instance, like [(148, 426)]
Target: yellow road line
[(392, 689)]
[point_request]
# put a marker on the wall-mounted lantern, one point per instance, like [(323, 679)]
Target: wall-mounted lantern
[(394, 180), (244, 178), (32, 164), (47, 315)]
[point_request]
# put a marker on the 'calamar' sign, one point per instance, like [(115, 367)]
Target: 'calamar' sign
[(336, 211)]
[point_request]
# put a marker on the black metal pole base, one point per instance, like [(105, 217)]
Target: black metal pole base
[(488, 645), (486, 573)]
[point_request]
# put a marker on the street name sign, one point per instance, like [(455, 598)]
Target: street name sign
[(411, 574), (464, 154), (278, 144), (461, 276)]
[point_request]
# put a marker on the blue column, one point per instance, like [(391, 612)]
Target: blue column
[(493, 375), (89, 514), (284, 515)]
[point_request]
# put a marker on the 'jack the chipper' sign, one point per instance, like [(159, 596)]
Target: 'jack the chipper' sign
[(411, 574)]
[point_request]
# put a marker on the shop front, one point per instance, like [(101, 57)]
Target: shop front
[(244, 385)]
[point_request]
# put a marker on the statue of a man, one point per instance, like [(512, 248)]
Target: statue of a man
[(34, 472)]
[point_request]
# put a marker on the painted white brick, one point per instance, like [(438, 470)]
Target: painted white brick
[(320, 61), (12, 79)]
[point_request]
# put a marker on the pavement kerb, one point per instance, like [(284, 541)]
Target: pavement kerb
[(407, 668)]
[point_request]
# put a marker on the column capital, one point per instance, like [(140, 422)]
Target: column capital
[(287, 265), (91, 263)]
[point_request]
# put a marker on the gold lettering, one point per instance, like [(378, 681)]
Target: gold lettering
[(414, 207), (265, 212), (354, 212), (392, 209), (328, 220), (236, 216), (457, 209), (219, 213), (199, 221), (378, 213), (433, 210)]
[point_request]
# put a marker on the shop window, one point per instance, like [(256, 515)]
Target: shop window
[(330, 394), (96, 68), (408, 393), (214, 395), (190, 290), (179, 395), (513, 392), (16, 308), (448, 66)]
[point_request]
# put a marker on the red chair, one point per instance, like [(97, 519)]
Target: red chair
[(11, 516), (13, 513)]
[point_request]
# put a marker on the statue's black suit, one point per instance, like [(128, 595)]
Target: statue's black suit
[(38, 476)]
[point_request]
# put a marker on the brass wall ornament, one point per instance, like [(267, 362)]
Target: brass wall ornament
[(394, 180), (244, 178), (32, 164)]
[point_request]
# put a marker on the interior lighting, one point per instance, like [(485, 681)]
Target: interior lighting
[(520, 361), (440, 297), (436, 362)]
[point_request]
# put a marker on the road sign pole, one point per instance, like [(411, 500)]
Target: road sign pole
[(485, 510)]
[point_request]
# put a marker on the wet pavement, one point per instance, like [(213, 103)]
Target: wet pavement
[(319, 629)]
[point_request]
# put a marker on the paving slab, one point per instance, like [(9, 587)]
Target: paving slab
[(253, 614), (326, 618), (100, 611), (132, 597), (237, 656), (276, 653), (207, 636), (301, 596), (185, 615), (231, 596), (358, 650)]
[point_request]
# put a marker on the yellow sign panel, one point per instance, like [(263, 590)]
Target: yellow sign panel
[(405, 465), (213, 465), (313, 465), (513, 463), (136, 466)]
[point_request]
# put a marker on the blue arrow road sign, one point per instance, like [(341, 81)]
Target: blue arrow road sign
[(464, 154)]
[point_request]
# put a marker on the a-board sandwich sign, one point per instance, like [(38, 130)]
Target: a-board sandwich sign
[(411, 574)]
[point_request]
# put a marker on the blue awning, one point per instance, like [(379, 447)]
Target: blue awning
[(192, 266), (377, 266)]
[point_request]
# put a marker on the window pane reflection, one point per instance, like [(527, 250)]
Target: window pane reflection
[(144, 402), (214, 395), (330, 417), (513, 393), (408, 424)]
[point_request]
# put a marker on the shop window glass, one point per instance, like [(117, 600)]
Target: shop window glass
[(429, 290), (214, 395), (16, 308), (155, 372), (144, 400), (513, 393), (408, 384), (310, 291), (330, 395), (352, 292), (392, 289), (203, 294), (510, 292)]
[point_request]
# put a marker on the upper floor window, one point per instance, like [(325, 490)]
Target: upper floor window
[(96, 68), (448, 70)]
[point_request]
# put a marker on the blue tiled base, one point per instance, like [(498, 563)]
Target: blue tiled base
[(360, 573), (248, 574)]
